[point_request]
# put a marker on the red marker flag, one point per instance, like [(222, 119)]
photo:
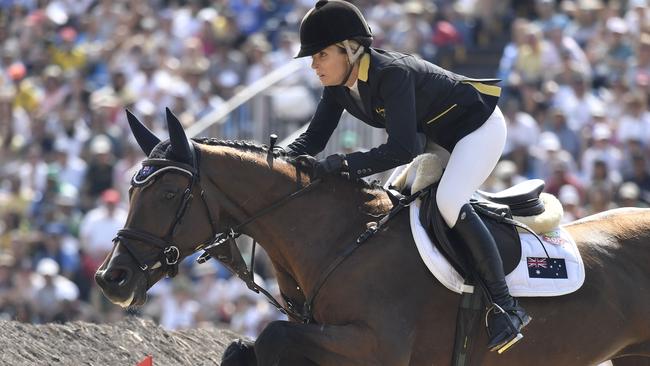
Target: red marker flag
[(148, 361)]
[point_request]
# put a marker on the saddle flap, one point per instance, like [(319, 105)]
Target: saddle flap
[(505, 235)]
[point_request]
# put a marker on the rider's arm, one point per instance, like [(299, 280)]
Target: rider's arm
[(320, 128)]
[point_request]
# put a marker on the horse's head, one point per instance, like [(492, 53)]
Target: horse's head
[(167, 218)]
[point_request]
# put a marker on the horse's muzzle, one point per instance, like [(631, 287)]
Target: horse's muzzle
[(117, 284)]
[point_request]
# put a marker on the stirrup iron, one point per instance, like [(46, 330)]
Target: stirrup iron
[(505, 345)]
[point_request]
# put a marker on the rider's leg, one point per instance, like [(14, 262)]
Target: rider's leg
[(470, 163), (506, 317)]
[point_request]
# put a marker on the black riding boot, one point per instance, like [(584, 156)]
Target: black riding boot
[(505, 318)]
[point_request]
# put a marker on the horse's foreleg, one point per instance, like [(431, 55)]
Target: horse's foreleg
[(239, 353), (285, 343)]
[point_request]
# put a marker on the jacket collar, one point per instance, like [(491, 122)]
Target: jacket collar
[(363, 85), (364, 67)]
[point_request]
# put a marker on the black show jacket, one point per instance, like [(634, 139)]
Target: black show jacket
[(404, 95)]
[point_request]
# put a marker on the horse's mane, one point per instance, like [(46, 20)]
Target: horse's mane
[(163, 149)]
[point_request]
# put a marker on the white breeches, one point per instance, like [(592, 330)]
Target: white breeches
[(470, 164)]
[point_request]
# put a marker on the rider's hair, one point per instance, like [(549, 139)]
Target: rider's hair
[(353, 48)]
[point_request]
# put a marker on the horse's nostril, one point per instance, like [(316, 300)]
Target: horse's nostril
[(116, 276)]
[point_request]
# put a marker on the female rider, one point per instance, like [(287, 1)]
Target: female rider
[(406, 95)]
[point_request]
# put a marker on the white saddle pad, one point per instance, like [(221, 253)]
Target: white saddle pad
[(535, 275)]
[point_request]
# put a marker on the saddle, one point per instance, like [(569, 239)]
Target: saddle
[(497, 211)]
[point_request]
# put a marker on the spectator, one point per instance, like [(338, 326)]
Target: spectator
[(635, 123), (52, 291), (56, 91), (637, 16), (522, 127), (65, 53), (629, 195), (586, 23), (577, 101), (561, 176), (71, 168), (599, 199), (604, 178), (569, 139), (619, 51), (412, 32), (602, 149), (533, 57), (570, 200), (97, 229), (547, 153), (640, 175), (99, 175), (565, 46), (504, 176), (639, 71), (510, 52), (26, 96), (180, 308)]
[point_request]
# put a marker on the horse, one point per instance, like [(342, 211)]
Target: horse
[(380, 306)]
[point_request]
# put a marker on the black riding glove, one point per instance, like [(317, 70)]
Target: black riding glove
[(291, 152), (333, 164)]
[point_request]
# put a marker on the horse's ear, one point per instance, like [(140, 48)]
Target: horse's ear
[(180, 145), (145, 138)]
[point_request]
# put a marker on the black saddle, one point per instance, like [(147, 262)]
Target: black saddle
[(496, 209), (522, 199)]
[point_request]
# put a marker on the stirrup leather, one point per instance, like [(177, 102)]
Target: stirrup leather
[(517, 336)]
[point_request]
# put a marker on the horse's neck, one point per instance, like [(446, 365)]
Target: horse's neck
[(303, 235)]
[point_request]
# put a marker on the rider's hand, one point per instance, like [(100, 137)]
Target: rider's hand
[(294, 153), (333, 164)]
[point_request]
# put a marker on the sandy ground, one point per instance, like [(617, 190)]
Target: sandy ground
[(123, 343)]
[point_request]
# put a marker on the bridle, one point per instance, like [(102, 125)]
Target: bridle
[(169, 254)]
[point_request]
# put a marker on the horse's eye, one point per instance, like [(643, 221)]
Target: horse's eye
[(170, 195)]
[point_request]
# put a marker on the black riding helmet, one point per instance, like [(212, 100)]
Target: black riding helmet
[(330, 22)]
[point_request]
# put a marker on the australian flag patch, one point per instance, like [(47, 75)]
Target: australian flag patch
[(143, 175), (543, 267)]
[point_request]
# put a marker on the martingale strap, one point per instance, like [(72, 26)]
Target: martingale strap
[(230, 256)]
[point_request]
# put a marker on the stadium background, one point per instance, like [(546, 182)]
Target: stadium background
[(576, 79)]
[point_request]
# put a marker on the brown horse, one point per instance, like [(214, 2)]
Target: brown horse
[(381, 306)]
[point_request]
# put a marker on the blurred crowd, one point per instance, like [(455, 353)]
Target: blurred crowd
[(576, 83), (576, 87)]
